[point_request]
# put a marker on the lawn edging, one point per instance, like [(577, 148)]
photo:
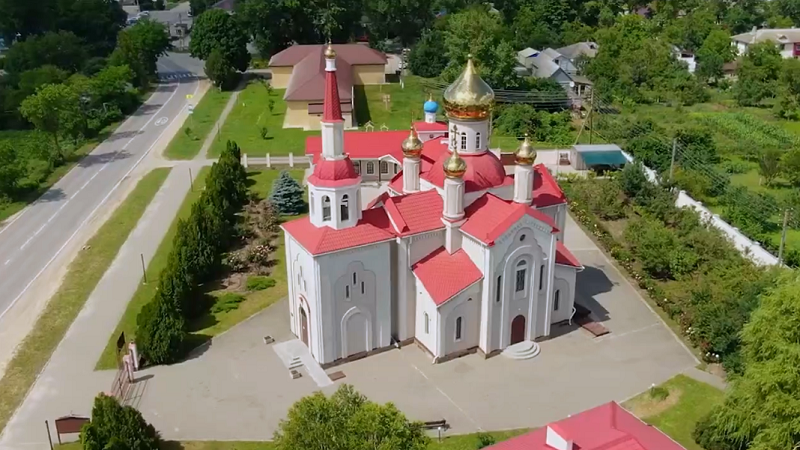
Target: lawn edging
[(83, 275)]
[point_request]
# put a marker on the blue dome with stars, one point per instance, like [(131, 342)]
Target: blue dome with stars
[(430, 106)]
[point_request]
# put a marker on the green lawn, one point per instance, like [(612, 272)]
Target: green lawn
[(688, 401), (186, 145), (82, 276), (210, 324), (460, 442), (147, 291)]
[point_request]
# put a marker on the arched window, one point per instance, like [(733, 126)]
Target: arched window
[(556, 299), (477, 141), (326, 208), (463, 141), (370, 167), (362, 287), (541, 277), (311, 202), (458, 329), (354, 278), (425, 318), (522, 269), (347, 292), (357, 166), (499, 288), (384, 167), (344, 209)]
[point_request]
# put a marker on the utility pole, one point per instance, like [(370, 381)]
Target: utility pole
[(783, 236), (672, 162)]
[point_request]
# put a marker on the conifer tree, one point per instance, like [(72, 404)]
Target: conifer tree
[(287, 195), (161, 330)]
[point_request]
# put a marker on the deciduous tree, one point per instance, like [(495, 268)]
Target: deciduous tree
[(139, 47), (55, 109), (404, 19), (62, 49), (757, 74), (116, 426), (713, 54), (216, 29), (219, 70), (428, 57)]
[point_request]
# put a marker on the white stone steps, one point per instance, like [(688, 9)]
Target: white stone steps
[(522, 350)]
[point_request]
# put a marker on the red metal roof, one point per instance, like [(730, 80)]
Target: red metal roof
[(422, 126), (331, 106), (565, 257), (373, 227), (379, 200), (445, 275), (546, 191), (415, 213), (489, 217), (606, 427), (308, 80), (333, 173), (484, 171), (353, 54), (364, 144)]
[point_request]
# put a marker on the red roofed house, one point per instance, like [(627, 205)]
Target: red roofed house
[(457, 256), (606, 427), (300, 69)]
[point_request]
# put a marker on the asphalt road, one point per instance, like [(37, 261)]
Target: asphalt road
[(30, 241)]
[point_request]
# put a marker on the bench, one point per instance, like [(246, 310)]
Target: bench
[(435, 424)]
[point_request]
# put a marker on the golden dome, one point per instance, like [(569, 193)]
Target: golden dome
[(412, 145), (454, 166), (469, 97), (329, 52), (525, 154)]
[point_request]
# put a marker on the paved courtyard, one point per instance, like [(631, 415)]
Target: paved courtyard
[(239, 389)]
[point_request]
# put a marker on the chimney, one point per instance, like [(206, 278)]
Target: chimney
[(556, 439)]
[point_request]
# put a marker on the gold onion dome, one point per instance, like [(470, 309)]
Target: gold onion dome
[(330, 53), (412, 145), (525, 154), (469, 97), (455, 166)]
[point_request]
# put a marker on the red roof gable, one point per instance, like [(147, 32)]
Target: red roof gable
[(373, 227), (364, 144), (489, 217), (565, 257), (445, 275), (606, 427), (415, 213), (546, 191)]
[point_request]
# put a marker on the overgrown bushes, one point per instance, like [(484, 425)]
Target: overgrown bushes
[(687, 267), (195, 258), (114, 426)]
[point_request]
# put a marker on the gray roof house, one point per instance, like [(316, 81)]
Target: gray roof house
[(551, 64), (787, 40), (573, 51)]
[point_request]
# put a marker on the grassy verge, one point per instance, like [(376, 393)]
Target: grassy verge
[(460, 442), (187, 144), (214, 323), (687, 401), (83, 275), (147, 291)]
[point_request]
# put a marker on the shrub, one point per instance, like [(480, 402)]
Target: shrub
[(227, 302), (115, 426), (735, 167), (653, 244), (659, 393), (257, 283), (485, 440), (264, 133)]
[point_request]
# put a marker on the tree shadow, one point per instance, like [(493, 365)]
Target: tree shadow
[(362, 114), (103, 158), (171, 445), (53, 195), (198, 344), (111, 137), (590, 282), (147, 109)]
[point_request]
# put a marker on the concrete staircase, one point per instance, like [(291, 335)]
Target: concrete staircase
[(521, 350)]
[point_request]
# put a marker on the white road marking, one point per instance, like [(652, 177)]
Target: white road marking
[(91, 214), (7, 261), (161, 121)]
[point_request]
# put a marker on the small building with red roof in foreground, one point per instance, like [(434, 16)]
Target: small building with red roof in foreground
[(459, 255), (606, 427)]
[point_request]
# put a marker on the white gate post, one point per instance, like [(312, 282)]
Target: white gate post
[(291, 159), (244, 160), (269, 163)]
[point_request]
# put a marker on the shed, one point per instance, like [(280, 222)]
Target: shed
[(585, 157)]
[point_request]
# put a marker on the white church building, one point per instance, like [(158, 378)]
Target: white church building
[(458, 256)]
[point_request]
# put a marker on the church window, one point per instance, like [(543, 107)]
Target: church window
[(463, 141), (520, 281), (477, 141), (326, 208), (425, 318), (354, 278), (458, 329), (556, 299), (345, 208), (384, 167), (362, 287), (311, 202), (347, 292), (357, 166), (370, 167), (541, 277), (522, 238), (499, 291), (395, 169)]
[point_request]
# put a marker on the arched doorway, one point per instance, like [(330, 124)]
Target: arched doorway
[(517, 329), (303, 326)]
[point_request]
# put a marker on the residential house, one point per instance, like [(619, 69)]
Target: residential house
[(300, 69), (550, 64), (685, 56), (787, 40), (577, 50)]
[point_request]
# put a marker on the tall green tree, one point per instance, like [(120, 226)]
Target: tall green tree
[(55, 109), (347, 421), (219, 70), (62, 49), (428, 57), (287, 196), (161, 330), (404, 19), (757, 74), (216, 29), (97, 22), (11, 170), (116, 426), (713, 54), (139, 48), (761, 407), (26, 18), (788, 105)]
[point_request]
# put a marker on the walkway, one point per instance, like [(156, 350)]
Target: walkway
[(68, 383), (221, 120)]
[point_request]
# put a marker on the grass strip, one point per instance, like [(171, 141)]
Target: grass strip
[(187, 144), (146, 292), (82, 276)]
